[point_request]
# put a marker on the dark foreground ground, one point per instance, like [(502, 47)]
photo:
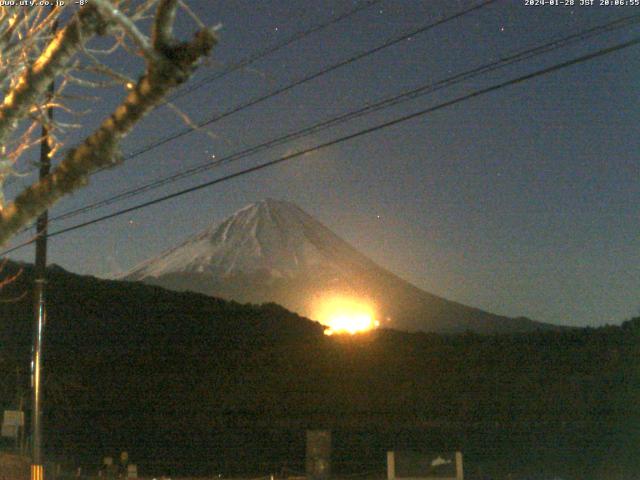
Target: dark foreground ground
[(192, 385)]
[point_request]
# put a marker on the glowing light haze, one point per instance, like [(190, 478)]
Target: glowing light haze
[(345, 314)]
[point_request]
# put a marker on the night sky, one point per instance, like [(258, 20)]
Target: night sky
[(523, 201)]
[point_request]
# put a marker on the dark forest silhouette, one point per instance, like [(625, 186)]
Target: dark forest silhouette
[(189, 384)]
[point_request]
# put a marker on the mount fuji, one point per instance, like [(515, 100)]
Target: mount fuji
[(273, 251)]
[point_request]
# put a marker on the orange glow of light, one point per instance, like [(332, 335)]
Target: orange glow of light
[(343, 314)]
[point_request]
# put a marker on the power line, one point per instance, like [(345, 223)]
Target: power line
[(290, 86), (269, 50), (345, 138), (367, 109), (386, 44)]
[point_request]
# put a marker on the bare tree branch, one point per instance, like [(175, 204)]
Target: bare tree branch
[(34, 82), (171, 64), (107, 9), (163, 25)]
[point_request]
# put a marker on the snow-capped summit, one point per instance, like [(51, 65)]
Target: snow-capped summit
[(273, 251), (271, 237)]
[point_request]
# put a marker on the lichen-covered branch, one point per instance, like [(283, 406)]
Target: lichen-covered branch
[(172, 64)]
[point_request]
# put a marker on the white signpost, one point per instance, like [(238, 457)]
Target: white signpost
[(424, 466)]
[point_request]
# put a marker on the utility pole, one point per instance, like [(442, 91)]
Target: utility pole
[(40, 311), (20, 401)]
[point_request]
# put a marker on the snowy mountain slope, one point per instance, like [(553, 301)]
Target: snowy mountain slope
[(273, 251), (269, 236)]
